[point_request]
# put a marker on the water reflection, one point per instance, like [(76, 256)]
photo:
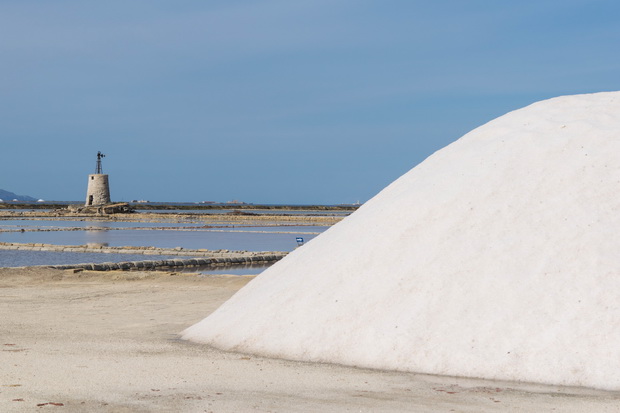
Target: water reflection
[(97, 235), (97, 244)]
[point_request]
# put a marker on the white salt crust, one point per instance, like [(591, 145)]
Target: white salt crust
[(497, 257)]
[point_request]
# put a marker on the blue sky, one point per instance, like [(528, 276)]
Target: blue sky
[(274, 101)]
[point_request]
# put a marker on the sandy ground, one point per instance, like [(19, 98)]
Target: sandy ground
[(108, 342)]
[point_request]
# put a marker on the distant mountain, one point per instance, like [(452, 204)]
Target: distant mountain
[(9, 196)]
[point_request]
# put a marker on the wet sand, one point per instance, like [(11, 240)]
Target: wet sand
[(108, 342)]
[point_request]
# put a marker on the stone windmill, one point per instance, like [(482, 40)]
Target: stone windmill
[(98, 192)]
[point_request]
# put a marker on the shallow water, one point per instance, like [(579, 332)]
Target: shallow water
[(14, 258), (17, 224), (212, 240), (142, 234)]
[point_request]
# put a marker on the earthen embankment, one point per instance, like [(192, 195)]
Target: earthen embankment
[(184, 218), (187, 257)]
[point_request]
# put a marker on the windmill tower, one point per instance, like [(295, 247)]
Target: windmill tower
[(98, 192)]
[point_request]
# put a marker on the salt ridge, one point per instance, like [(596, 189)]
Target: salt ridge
[(497, 257)]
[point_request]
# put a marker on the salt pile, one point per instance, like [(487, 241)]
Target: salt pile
[(497, 257)]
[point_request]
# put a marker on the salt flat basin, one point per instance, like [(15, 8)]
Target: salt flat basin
[(231, 240), (26, 258), (16, 224)]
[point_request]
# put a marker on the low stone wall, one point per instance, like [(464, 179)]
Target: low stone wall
[(164, 264), (132, 250), (198, 258)]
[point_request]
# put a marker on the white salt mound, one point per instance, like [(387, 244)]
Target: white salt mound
[(497, 257)]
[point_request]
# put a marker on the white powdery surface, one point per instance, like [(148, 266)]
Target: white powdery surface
[(497, 257)]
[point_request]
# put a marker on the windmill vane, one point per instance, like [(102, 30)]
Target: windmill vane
[(99, 156)]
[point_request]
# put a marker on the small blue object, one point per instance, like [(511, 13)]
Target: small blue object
[(299, 240)]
